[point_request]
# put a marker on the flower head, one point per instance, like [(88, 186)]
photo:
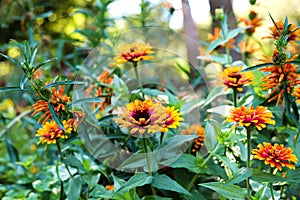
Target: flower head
[(134, 53), (278, 77), (141, 116), (232, 77), (277, 156), (58, 99), (51, 132), (258, 117), (252, 21), (172, 120), (292, 35), (199, 140)]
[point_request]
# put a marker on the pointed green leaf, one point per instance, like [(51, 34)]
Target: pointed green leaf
[(187, 161), (12, 60), (139, 179), (164, 182), (257, 67), (231, 192), (43, 64), (235, 32), (55, 117), (23, 82), (213, 94), (87, 100), (215, 44), (260, 176), (9, 89), (241, 175), (74, 188), (64, 83), (209, 139)]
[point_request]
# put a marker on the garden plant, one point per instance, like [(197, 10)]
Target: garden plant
[(113, 108)]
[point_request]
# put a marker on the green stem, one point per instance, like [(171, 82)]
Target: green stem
[(227, 53), (62, 158), (191, 184), (272, 191), (146, 154), (234, 96), (248, 158), (161, 137), (135, 67)]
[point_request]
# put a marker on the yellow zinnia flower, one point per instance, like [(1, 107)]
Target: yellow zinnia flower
[(51, 132), (134, 53), (232, 77), (173, 118)]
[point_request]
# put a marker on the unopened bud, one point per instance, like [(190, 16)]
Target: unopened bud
[(252, 2), (219, 14)]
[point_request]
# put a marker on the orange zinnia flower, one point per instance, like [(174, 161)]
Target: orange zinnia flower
[(58, 99), (232, 77), (276, 156), (199, 140), (141, 116), (252, 21), (258, 117), (173, 118), (51, 132), (292, 36), (134, 53), (278, 77), (217, 35)]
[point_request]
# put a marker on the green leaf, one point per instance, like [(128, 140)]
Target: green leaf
[(64, 83), (209, 140), (219, 58), (215, 44), (23, 82), (117, 182), (74, 188), (41, 185), (257, 67), (243, 150), (72, 161), (261, 193), (231, 192), (91, 179), (213, 94), (163, 182), (235, 32), (55, 117), (9, 89), (43, 63), (242, 174), (12, 150), (187, 161), (12, 60), (229, 164), (139, 179), (87, 100), (294, 175), (150, 92), (152, 197), (260, 176)]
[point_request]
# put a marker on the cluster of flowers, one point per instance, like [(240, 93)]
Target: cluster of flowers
[(282, 78), (50, 131)]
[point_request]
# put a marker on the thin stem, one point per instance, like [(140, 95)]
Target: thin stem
[(191, 184), (62, 158), (146, 154), (162, 134), (234, 96), (227, 53), (272, 191), (248, 158), (135, 67)]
